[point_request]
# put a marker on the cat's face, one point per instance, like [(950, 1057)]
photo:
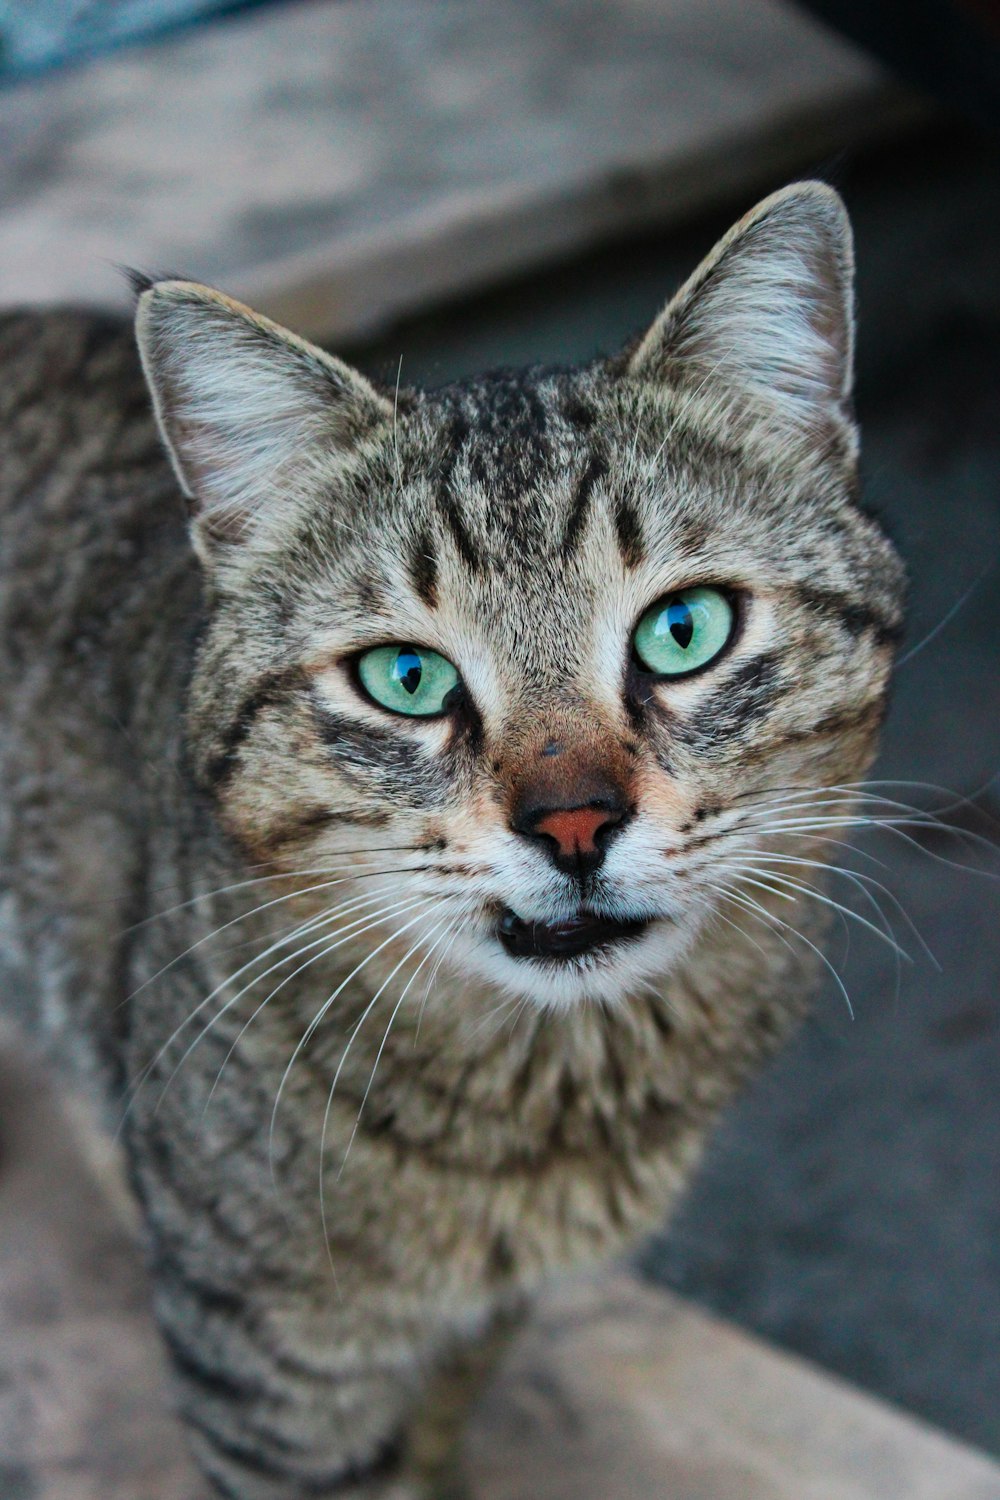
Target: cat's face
[(545, 649)]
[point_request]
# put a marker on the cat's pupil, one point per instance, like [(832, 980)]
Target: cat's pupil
[(408, 670), (680, 624)]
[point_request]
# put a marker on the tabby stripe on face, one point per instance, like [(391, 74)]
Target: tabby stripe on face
[(402, 767), (738, 702), (270, 690), (856, 618), (445, 497), (595, 470), (867, 718), (312, 818), (448, 506), (224, 1383), (628, 529), (424, 568)]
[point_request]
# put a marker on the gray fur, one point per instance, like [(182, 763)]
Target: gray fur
[(177, 726)]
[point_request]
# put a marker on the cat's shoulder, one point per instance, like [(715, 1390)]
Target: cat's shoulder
[(48, 350)]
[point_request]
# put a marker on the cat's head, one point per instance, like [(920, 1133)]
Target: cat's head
[(541, 646)]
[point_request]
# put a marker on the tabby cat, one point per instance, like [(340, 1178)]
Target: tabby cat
[(401, 842)]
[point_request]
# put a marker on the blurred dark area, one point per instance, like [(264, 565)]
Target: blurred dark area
[(850, 1206), (950, 48)]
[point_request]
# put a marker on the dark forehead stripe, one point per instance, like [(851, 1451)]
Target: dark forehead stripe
[(446, 496), (424, 567), (576, 521), (628, 530), (451, 514), (496, 460)]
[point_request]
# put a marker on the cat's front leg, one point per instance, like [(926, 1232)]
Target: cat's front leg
[(276, 1412), (272, 1412)]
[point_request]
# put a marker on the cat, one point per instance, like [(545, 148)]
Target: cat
[(399, 841)]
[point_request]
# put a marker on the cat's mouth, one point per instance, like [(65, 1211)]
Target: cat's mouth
[(587, 932)]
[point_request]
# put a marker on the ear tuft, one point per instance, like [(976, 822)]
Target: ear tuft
[(245, 407), (768, 317)]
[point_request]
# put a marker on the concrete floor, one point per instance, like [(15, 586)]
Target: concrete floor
[(851, 1206)]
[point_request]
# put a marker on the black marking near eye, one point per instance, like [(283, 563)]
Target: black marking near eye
[(628, 530), (741, 699), (595, 470), (378, 756), (856, 618), (271, 689), (424, 568)]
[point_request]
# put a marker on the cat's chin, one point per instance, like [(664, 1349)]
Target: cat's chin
[(561, 964)]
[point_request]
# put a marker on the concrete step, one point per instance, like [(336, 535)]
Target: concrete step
[(615, 1389), (342, 164)]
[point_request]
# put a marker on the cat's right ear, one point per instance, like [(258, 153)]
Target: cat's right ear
[(765, 326), (247, 410)]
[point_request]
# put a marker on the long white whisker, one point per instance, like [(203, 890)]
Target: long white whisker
[(739, 867), (288, 938), (861, 880), (317, 1020), (256, 910), (446, 926), (273, 875), (761, 911), (392, 910), (432, 976)]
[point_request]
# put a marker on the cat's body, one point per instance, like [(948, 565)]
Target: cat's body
[(168, 741)]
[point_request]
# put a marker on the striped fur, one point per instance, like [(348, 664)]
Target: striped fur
[(261, 912)]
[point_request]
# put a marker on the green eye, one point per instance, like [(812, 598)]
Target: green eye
[(407, 679), (683, 632)]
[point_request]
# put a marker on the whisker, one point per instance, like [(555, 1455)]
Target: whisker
[(389, 911), (239, 885), (266, 906), (755, 907), (446, 925), (286, 939), (886, 933), (432, 976), (861, 880), (345, 933), (317, 1021), (821, 896)]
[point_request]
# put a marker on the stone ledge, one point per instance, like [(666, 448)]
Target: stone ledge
[(620, 1390), (342, 164), (615, 1390)]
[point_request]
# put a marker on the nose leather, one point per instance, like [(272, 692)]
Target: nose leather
[(575, 829), (570, 799)]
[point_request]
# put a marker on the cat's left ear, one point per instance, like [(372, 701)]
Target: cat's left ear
[(245, 408), (766, 323)]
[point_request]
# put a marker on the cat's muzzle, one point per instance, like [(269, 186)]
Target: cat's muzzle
[(587, 932)]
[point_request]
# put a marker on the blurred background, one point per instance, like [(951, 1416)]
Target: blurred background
[(459, 185)]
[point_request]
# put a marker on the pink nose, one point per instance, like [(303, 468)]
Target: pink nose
[(575, 829)]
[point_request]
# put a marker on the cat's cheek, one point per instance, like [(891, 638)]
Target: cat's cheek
[(665, 804)]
